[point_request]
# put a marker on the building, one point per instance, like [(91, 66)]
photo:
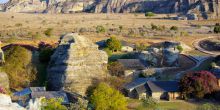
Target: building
[(136, 89), (163, 90), (131, 65), (159, 90), (127, 47)]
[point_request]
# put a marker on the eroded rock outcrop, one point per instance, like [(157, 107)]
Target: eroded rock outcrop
[(76, 64), (203, 8), (7, 104)]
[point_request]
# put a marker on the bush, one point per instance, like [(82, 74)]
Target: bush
[(154, 27), (149, 102), (52, 104), (18, 67), (116, 69), (36, 36), (113, 44), (217, 28), (48, 32), (198, 84), (18, 25), (149, 14), (106, 98), (109, 52), (180, 48), (174, 28), (100, 29)]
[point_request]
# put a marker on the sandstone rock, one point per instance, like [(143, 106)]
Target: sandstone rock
[(4, 81), (6, 103), (204, 8), (76, 64)]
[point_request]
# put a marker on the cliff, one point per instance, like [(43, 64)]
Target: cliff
[(204, 8), (76, 64)]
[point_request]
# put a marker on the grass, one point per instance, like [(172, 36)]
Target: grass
[(178, 105)]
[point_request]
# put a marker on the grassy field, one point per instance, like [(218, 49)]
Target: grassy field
[(165, 105), (19, 23)]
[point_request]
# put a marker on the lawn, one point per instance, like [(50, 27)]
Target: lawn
[(178, 105)]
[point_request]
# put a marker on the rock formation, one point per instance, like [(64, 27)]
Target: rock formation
[(76, 64), (170, 54), (203, 8), (6, 103)]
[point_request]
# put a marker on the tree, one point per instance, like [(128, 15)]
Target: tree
[(106, 98), (149, 14), (113, 44), (52, 104), (116, 69), (198, 84), (100, 29), (180, 48), (18, 67), (217, 28)]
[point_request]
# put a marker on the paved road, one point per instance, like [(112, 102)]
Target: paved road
[(198, 47)]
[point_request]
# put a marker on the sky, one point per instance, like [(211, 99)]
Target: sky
[(3, 1)]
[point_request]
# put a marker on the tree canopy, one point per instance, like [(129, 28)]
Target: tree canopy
[(198, 84), (106, 98), (113, 44), (52, 104)]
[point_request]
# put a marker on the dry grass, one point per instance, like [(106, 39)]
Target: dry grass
[(63, 23)]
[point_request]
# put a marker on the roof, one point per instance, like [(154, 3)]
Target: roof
[(132, 64), (124, 43), (51, 94), (163, 86), (37, 89), (141, 89), (136, 83), (27, 91)]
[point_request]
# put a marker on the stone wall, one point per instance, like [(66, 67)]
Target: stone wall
[(76, 64)]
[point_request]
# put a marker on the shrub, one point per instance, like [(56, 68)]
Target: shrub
[(154, 27), (149, 102), (180, 48), (109, 52), (52, 104), (198, 84), (116, 69), (100, 29), (36, 36), (141, 47), (217, 28), (18, 25), (113, 44), (174, 28), (48, 32), (120, 28), (149, 14), (106, 98)]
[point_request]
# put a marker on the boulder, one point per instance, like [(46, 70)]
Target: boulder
[(76, 64), (6, 103)]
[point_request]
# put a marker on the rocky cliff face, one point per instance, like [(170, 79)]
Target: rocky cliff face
[(76, 64), (204, 8)]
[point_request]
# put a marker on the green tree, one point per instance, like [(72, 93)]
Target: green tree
[(52, 104), (180, 48), (217, 28), (113, 44), (106, 98)]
